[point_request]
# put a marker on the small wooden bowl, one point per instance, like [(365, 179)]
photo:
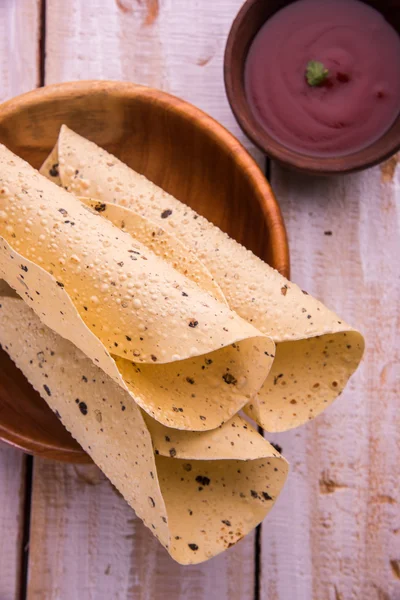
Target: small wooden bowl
[(251, 17), (175, 145)]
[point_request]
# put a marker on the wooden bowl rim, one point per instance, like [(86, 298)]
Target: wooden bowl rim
[(301, 162), (218, 133), (31, 446), (265, 196)]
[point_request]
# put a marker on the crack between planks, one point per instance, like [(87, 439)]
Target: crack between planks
[(29, 461), (42, 43), (257, 566), (267, 169), (258, 553), (26, 527)]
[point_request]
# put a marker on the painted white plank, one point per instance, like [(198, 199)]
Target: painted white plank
[(336, 531), (174, 45), (87, 543), (79, 529), (19, 46), (11, 519), (18, 73)]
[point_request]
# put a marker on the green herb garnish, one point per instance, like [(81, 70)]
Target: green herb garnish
[(316, 73)]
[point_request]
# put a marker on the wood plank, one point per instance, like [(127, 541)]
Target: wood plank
[(85, 541), (19, 34), (11, 519), (336, 531), (176, 46), (19, 46)]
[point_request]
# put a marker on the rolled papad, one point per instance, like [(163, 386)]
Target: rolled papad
[(163, 244), (199, 493), (186, 358), (316, 351)]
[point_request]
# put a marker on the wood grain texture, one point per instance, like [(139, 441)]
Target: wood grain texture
[(179, 49), (18, 69), (11, 520), (336, 532), (176, 46), (19, 47), (87, 543)]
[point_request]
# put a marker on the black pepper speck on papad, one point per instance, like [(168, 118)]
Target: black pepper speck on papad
[(162, 243), (163, 486), (316, 350), (122, 305)]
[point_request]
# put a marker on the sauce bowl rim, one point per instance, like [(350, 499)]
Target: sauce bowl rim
[(380, 150)]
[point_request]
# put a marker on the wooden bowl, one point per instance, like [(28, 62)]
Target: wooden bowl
[(175, 145), (251, 17)]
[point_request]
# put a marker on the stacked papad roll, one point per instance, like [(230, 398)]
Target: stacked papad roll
[(184, 356), (199, 493), (146, 330), (316, 351)]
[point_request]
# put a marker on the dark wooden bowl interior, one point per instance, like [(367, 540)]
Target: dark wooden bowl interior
[(248, 22), (28, 423), (175, 145)]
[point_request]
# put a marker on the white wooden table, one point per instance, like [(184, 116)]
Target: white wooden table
[(335, 532)]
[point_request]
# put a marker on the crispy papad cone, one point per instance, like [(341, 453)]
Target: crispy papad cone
[(185, 357), (198, 492), (316, 350)]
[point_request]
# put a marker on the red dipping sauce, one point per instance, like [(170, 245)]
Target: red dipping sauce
[(358, 100)]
